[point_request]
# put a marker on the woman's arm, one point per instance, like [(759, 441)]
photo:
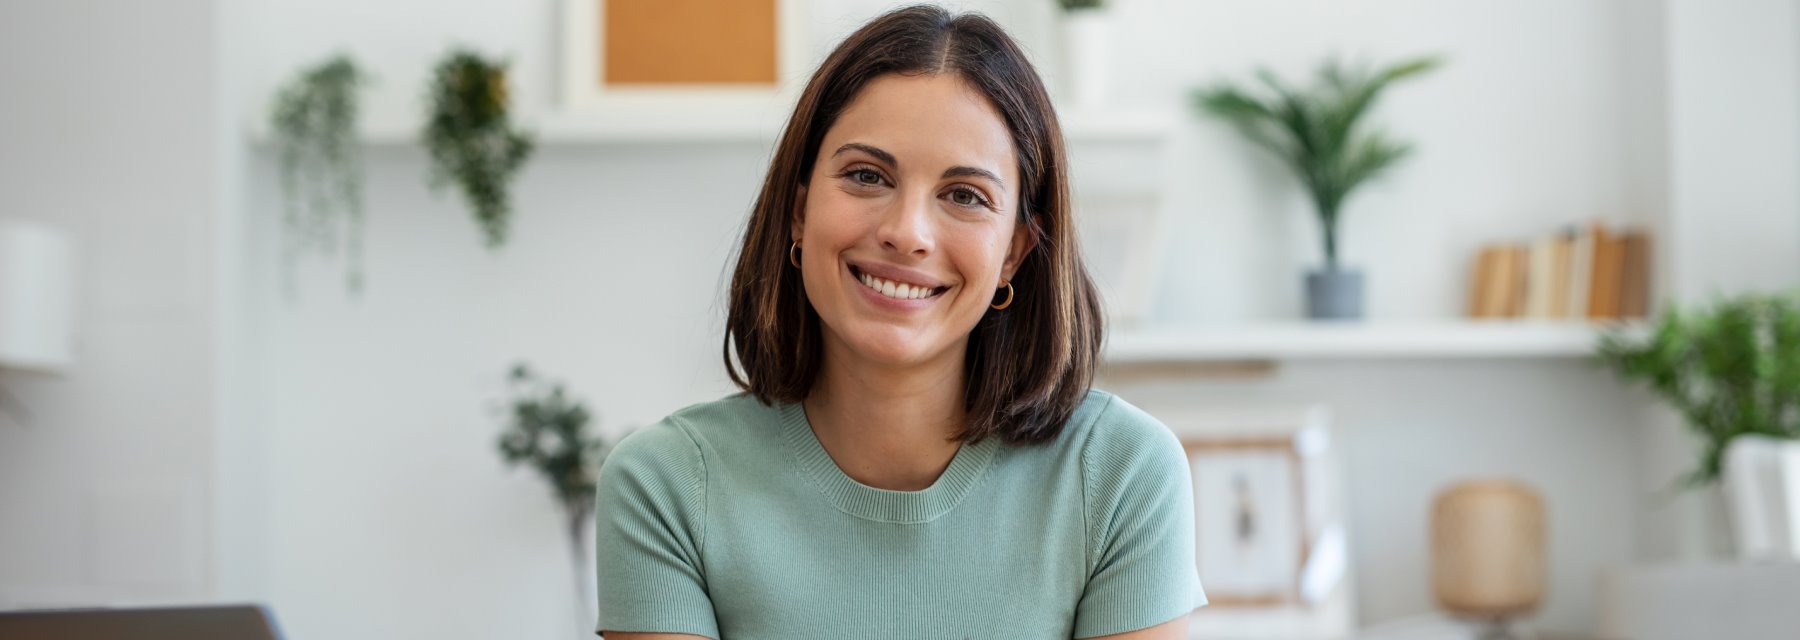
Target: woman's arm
[(1176, 629), (1172, 630)]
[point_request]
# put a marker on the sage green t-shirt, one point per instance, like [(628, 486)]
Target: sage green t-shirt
[(729, 520)]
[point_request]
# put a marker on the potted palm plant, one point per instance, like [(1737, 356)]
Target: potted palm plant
[(1732, 370), (1319, 135)]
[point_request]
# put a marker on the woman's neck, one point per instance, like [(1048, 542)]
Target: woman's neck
[(889, 428)]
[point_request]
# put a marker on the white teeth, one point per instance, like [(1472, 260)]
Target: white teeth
[(898, 290)]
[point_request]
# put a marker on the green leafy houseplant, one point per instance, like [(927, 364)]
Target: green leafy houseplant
[(1077, 5), (1318, 133), (548, 431), (471, 140), (1730, 369), (313, 124)]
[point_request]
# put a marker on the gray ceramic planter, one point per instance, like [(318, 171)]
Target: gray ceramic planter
[(1334, 294)]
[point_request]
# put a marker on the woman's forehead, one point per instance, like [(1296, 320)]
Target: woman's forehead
[(929, 122)]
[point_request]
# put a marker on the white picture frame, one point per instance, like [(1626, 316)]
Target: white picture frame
[(583, 93), (1248, 509), (1296, 582)]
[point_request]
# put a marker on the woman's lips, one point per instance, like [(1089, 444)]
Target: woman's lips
[(895, 293)]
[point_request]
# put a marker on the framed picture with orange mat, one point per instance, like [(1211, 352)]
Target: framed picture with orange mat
[(657, 52)]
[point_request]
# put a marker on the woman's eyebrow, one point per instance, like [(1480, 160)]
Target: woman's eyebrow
[(879, 154), (888, 158), (958, 172)]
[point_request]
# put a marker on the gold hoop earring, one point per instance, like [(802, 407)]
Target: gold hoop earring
[(794, 255), (1009, 296)]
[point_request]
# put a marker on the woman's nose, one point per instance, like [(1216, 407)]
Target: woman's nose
[(907, 227)]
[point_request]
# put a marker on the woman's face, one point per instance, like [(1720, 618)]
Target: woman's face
[(909, 221)]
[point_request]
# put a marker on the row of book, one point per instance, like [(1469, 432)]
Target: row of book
[(1583, 272)]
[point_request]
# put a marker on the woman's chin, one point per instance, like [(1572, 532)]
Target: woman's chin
[(895, 351)]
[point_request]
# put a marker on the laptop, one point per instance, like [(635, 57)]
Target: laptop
[(229, 622)]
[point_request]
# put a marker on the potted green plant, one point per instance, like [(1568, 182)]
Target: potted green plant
[(1732, 371), (312, 124), (1319, 134), (470, 137), (547, 430)]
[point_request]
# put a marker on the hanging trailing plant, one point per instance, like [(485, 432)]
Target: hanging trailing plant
[(313, 125), (471, 140)]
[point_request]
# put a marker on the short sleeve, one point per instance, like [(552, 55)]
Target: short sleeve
[(649, 529), (1140, 505)]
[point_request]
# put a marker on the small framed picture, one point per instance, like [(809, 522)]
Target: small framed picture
[(652, 53), (1248, 510), (1269, 515)]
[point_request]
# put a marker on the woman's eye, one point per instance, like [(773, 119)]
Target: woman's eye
[(966, 198), (865, 176)]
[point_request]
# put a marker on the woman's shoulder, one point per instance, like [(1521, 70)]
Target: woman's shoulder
[(1116, 436), (699, 427), (1103, 418)]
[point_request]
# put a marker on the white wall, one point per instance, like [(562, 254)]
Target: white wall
[(107, 131), (1517, 135)]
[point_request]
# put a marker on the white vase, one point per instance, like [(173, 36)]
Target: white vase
[(1762, 489), (1085, 56)]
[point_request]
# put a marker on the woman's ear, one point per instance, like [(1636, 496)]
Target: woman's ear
[(1024, 240), (797, 221)]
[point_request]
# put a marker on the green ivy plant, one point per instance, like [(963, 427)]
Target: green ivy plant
[(471, 139), (313, 126), (548, 431), (1730, 369), (1077, 5), (1317, 133)]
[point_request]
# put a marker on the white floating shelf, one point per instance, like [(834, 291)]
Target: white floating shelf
[(1343, 340), (719, 126)]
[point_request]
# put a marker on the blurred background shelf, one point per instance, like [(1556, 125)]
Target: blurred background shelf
[(753, 124), (1414, 339)]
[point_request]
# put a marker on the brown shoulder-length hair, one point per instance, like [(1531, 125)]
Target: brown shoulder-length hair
[(1028, 366)]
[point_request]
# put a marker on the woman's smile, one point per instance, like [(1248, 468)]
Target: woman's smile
[(895, 288)]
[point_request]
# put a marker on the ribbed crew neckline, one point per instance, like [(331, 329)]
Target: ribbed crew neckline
[(882, 505)]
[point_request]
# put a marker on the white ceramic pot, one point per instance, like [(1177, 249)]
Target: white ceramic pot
[(1086, 49), (1762, 490)]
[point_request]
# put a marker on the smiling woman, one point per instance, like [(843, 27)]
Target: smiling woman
[(918, 453)]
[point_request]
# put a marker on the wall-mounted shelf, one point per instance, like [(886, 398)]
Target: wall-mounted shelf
[(1330, 340), (732, 126)]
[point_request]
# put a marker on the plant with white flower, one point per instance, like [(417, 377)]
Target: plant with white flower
[(548, 430)]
